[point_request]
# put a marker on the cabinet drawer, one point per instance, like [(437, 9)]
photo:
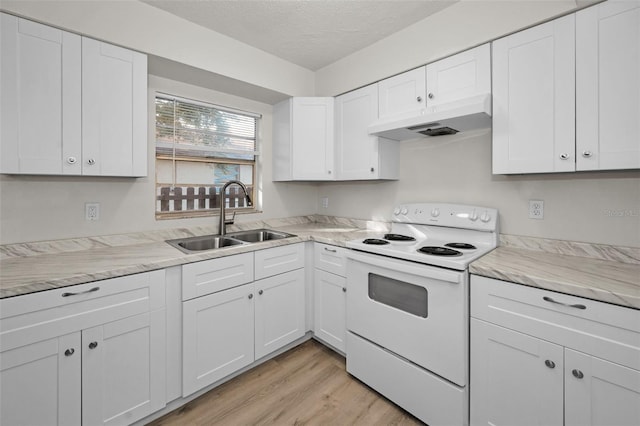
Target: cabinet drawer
[(330, 258), (278, 260), (211, 276), (601, 329), (39, 316)]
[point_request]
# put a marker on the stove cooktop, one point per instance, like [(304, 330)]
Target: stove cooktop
[(445, 235)]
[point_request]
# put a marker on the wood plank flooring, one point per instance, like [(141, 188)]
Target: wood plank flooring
[(307, 385)]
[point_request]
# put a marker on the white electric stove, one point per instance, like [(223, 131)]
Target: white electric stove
[(408, 307)]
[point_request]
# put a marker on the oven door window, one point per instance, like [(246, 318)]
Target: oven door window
[(399, 294)]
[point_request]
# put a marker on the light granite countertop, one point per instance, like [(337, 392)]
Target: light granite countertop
[(605, 273), (32, 267), (612, 275)]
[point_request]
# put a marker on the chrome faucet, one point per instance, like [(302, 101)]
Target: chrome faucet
[(223, 219)]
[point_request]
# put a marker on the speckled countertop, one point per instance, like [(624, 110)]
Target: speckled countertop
[(604, 273), (32, 267), (600, 272)]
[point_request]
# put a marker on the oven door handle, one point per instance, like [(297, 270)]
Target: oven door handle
[(404, 266)]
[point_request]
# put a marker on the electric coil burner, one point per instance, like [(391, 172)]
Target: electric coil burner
[(398, 237), (439, 251), (465, 246), (375, 241)]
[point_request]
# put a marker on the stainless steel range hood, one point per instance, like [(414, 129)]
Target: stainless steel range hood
[(459, 116)]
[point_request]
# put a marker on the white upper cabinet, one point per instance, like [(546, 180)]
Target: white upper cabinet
[(40, 87), (114, 110), (459, 76), (534, 99), (359, 155), (403, 94), (608, 86), (70, 104), (303, 139)]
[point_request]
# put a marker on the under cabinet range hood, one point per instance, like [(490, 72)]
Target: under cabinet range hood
[(460, 116)]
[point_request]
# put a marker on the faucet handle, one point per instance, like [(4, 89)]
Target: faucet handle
[(230, 221)]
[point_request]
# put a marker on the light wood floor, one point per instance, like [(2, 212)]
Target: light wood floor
[(307, 385)]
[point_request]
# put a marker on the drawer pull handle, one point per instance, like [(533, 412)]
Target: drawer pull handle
[(93, 345), (91, 290), (550, 363), (577, 305), (69, 352), (577, 374), (260, 292), (330, 250)]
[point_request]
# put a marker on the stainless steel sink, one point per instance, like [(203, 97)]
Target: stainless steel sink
[(212, 242), (205, 242), (258, 235)]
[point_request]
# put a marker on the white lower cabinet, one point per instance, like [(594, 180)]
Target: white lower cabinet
[(89, 354), (217, 336), (229, 329), (545, 358), (330, 295)]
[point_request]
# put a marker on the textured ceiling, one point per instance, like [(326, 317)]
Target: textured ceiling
[(310, 33)]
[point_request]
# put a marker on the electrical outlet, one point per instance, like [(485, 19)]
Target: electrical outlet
[(324, 201), (92, 211), (536, 209)]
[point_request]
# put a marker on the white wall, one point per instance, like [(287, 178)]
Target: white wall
[(35, 208), (457, 169)]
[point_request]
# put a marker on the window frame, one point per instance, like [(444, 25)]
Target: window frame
[(233, 190)]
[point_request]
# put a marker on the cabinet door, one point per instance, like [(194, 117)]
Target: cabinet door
[(403, 94), (280, 313), (123, 369), (598, 392), (330, 309), (459, 76), (514, 378), (114, 110), (217, 336), (357, 150), (312, 138), (40, 383), (608, 86), (534, 99), (40, 117)]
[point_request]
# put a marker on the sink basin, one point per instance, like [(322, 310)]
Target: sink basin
[(205, 242), (258, 235)]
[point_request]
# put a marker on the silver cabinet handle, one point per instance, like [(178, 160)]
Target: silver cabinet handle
[(260, 292), (344, 289), (564, 156), (93, 345), (577, 374), (69, 352), (430, 95), (91, 290), (329, 171), (250, 296), (419, 99), (550, 363), (91, 161), (71, 160), (577, 305), (330, 250), (587, 154), (373, 170)]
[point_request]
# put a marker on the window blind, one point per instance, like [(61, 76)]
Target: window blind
[(186, 128)]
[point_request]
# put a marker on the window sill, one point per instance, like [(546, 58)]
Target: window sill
[(206, 213)]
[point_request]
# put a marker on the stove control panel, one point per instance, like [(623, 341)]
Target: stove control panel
[(450, 215)]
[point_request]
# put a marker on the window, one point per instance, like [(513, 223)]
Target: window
[(200, 147)]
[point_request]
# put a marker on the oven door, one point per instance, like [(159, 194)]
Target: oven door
[(417, 311)]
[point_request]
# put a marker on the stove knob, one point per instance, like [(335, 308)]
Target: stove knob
[(404, 211), (473, 216), (435, 212), (396, 211), (486, 217)]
